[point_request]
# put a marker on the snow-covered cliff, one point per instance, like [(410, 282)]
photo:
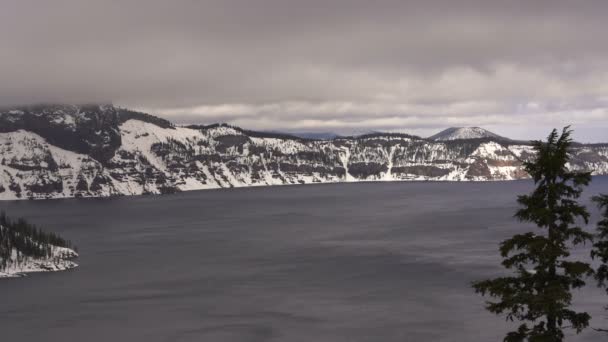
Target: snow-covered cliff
[(97, 151)]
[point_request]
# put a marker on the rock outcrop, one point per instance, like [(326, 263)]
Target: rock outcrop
[(97, 151)]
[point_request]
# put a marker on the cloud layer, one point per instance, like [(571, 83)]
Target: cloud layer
[(519, 67)]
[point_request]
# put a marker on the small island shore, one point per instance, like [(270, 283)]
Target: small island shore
[(24, 248), (19, 266)]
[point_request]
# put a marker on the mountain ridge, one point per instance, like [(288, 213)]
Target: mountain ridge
[(100, 151)]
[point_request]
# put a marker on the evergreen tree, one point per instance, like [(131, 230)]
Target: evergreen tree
[(539, 293), (26, 240), (600, 248)]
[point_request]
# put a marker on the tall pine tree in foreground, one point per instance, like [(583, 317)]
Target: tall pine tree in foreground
[(539, 293), (600, 248)]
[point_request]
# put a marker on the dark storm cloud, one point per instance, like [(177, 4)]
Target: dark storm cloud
[(315, 64)]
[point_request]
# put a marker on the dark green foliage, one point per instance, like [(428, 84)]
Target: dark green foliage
[(125, 115), (600, 248), (253, 134), (172, 146), (364, 170), (539, 293), (27, 239)]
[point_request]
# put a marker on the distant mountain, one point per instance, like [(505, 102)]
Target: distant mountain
[(57, 151), (315, 135), (460, 133)]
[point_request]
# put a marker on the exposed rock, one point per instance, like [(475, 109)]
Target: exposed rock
[(479, 169), (422, 171), (108, 151)]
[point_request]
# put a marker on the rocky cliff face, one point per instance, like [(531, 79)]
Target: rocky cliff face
[(95, 151)]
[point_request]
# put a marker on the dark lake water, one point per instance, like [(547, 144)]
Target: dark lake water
[(338, 262)]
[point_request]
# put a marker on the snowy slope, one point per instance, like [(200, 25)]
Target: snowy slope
[(459, 133), (151, 156)]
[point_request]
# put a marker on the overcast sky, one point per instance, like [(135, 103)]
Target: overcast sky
[(517, 67)]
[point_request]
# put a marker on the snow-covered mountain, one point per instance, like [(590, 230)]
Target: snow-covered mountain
[(315, 135), (95, 151), (461, 133)]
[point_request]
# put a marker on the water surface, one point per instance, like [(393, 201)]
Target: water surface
[(338, 262)]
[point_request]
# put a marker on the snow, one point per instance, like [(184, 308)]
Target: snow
[(519, 150), (139, 135), (197, 163), (28, 147), (285, 146), (456, 133), (492, 150), (222, 130), (65, 120), (190, 184), (59, 261), (388, 176), (344, 158)]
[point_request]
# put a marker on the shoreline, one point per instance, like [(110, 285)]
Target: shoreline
[(62, 260)]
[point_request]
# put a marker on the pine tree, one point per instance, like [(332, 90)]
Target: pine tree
[(539, 293), (600, 248), (26, 239)]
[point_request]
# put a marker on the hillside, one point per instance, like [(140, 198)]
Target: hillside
[(98, 151)]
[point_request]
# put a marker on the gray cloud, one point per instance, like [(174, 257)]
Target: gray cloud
[(343, 65)]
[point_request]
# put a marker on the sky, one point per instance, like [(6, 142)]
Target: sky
[(517, 67)]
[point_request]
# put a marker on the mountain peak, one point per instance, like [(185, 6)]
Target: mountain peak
[(460, 133)]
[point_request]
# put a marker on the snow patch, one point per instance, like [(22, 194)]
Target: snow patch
[(19, 266), (457, 133)]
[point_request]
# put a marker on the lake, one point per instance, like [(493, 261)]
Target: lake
[(384, 261)]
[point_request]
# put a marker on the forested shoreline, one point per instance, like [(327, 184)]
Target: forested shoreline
[(21, 241)]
